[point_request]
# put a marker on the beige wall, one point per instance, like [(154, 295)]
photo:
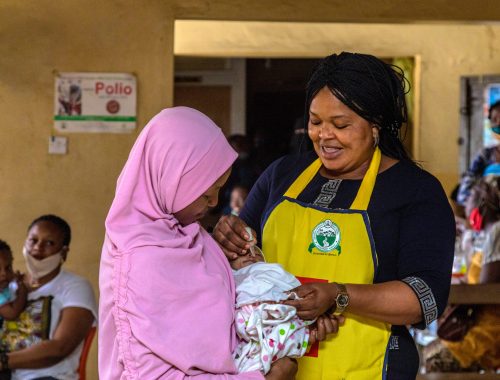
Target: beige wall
[(62, 36), (41, 37)]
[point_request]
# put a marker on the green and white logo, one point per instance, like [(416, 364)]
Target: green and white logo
[(326, 237)]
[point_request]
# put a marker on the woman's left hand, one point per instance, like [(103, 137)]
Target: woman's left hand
[(315, 299)]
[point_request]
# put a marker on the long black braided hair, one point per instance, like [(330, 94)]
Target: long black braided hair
[(370, 87)]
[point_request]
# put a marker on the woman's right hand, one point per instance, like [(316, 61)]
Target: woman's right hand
[(231, 234), (283, 369)]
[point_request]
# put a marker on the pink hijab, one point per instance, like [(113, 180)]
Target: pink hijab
[(176, 158), (168, 288)]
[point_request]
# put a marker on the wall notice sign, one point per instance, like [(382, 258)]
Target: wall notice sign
[(95, 102)]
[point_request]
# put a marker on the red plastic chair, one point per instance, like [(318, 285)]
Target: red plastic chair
[(82, 367)]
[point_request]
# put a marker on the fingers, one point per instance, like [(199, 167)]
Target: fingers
[(231, 235), (302, 305), (254, 234), (323, 327), (303, 291), (307, 315), (340, 319), (307, 308), (230, 255), (240, 228), (331, 324), (313, 333)]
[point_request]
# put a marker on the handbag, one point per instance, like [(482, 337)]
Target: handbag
[(456, 322)]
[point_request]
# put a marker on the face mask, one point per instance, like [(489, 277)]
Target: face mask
[(40, 268), (496, 129)]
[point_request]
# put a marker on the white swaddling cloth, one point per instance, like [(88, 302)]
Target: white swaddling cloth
[(263, 282), (267, 330)]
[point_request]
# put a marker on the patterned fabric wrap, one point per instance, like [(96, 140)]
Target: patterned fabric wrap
[(267, 333), (31, 327)]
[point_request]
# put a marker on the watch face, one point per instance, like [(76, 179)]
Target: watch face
[(342, 300)]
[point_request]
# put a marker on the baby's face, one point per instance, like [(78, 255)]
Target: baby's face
[(238, 196), (244, 261)]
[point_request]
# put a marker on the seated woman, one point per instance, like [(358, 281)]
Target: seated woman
[(480, 347), (73, 307), (481, 344)]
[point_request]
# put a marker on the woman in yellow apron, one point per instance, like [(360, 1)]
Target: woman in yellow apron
[(368, 233)]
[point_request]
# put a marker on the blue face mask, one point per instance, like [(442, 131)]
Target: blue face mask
[(496, 129)]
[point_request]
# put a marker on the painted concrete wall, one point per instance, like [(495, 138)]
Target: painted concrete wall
[(446, 52), (63, 36)]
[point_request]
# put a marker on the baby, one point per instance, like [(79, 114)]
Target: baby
[(12, 290), (267, 329), (237, 200)]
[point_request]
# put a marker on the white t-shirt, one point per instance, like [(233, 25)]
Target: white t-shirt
[(68, 290)]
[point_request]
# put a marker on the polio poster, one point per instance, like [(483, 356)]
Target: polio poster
[(491, 95), (95, 102)]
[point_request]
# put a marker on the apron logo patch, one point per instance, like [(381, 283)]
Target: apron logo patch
[(326, 238)]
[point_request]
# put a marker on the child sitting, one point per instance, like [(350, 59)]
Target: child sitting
[(12, 290), (267, 329)]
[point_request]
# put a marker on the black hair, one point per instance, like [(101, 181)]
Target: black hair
[(240, 185), (492, 107), (370, 87), (58, 222), (5, 249)]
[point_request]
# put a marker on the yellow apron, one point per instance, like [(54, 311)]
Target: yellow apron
[(318, 244)]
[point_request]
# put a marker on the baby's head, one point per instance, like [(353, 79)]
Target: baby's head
[(238, 197), (6, 271), (246, 260)]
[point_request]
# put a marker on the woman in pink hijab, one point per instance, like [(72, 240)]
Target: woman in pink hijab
[(166, 289)]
